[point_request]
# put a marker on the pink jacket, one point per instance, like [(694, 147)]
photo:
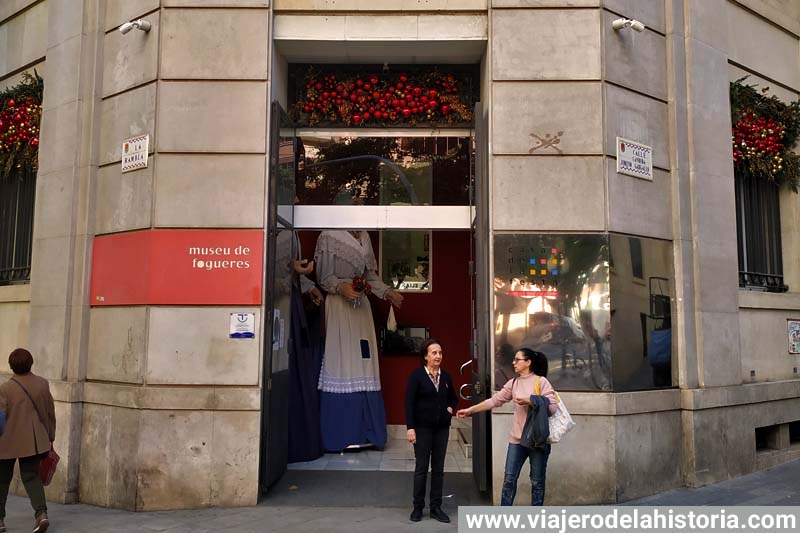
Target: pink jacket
[(524, 387)]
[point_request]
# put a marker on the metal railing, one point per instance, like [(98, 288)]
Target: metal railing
[(758, 233), (17, 195)]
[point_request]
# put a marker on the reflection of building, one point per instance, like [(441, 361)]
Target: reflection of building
[(160, 408)]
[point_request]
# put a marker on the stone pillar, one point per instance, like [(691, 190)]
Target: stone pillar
[(546, 80), (172, 410), (63, 224)]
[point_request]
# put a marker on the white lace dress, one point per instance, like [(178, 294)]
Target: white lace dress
[(352, 409)]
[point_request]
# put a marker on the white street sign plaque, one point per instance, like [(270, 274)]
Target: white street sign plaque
[(134, 153), (634, 159)]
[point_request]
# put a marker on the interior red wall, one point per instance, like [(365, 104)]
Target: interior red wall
[(445, 311)]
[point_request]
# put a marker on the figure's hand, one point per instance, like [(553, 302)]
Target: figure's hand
[(346, 289), (316, 296), (463, 413), (450, 410), (412, 436), (303, 266), (522, 401), (395, 298)]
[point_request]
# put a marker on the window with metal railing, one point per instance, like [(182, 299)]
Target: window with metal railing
[(17, 194), (758, 232)]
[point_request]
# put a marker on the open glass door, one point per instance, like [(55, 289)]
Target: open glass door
[(281, 250), (479, 364)]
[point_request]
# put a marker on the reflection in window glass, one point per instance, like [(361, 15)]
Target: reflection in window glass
[(343, 170), (642, 285), (405, 260), (551, 294)]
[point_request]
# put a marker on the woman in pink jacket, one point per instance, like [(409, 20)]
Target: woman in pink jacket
[(530, 366)]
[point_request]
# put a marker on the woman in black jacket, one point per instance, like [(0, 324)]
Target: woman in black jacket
[(431, 402)]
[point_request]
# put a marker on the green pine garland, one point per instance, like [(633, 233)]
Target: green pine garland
[(765, 132), (20, 117)]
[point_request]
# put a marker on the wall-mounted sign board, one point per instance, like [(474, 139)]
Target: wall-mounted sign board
[(178, 267), (634, 159), (134, 153)]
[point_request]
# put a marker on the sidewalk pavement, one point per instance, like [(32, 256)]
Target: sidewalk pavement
[(776, 486)]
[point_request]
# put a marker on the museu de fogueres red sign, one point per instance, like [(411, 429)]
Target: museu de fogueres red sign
[(178, 267)]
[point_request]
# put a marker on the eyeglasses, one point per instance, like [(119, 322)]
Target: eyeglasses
[(516, 359)]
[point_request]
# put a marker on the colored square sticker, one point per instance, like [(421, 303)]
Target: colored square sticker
[(533, 272), (554, 272), (553, 251), (543, 261), (543, 272)]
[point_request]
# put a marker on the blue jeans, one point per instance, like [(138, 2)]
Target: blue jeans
[(515, 458)]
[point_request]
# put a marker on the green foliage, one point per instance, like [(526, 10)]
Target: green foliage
[(20, 116), (749, 105)]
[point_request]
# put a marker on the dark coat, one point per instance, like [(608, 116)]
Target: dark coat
[(537, 425), (425, 406), (25, 435)]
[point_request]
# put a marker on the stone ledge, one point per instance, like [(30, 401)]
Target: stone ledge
[(15, 293), (769, 300), (698, 399), (340, 27), (616, 403), (174, 398), (380, 5)]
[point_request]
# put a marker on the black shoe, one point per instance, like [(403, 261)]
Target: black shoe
[(416, 514), (438, 514)]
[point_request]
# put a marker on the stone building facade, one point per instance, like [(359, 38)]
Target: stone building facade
[(156, 415)]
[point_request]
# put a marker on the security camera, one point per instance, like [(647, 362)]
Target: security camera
[(140, 24), (621, 23)]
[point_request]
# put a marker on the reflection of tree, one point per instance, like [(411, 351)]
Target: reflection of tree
[(583, 253), (354, 164)]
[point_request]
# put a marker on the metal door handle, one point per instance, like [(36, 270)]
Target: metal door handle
[(461, 391), (465, 365)]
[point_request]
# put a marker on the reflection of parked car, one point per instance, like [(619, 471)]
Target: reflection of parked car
[(550, 328)]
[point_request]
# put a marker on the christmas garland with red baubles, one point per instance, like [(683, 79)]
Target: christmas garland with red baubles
[(426, 97), (20, 115), (765, 131)]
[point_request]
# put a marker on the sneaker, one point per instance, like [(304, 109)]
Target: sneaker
[(2, 527), (438, 514), (42, 523), (416, 514)]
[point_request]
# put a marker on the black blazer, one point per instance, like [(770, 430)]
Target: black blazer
[(425, 406)]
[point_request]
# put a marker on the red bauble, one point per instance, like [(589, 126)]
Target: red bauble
[(403, 77), (373, 80), (445, 109), (11, 103), (356, 119), (432, 93), (417, 91), (366, 116), (406, 112)]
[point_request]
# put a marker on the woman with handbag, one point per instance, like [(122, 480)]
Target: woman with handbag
[(531, 369), (28, 435), (430, 403)]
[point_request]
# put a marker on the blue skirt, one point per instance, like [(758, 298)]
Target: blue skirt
[(352, 418)]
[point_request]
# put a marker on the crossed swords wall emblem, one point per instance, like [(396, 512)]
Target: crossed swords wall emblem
[(548, 141)]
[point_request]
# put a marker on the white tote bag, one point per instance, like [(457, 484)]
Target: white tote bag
[(560, 422)]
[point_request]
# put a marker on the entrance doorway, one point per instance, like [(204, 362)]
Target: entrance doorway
[(413, 194)]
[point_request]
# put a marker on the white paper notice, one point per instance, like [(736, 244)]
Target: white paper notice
[(243, 326)]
